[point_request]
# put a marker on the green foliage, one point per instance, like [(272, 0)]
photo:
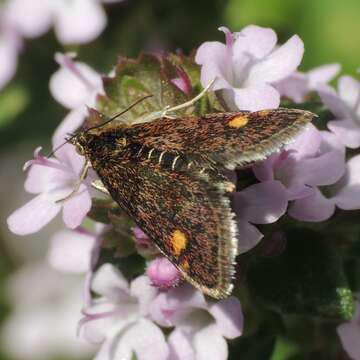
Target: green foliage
[(308, 278)]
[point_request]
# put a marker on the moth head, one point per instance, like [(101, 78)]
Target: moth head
[(79, 141)]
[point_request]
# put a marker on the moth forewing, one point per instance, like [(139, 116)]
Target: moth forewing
[(165, 175)]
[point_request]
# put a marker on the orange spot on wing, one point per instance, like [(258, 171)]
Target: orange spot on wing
[(178, 241), (185, 265), (238, 121)]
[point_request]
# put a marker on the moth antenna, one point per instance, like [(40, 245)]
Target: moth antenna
[(61, 145), (120, 113), (98, 126)]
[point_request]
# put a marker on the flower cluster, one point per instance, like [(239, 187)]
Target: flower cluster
[(22, 19), (306, 181)]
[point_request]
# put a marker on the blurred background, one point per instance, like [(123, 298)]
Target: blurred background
[(29, 115)]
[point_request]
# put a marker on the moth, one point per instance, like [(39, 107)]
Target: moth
[(167, 174)]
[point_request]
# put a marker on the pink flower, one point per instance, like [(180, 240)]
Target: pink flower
[(10, 44), (45, 311), (345, 194), (52, 179), (76, 251), (262, 203), (70, 19), (314, 159), (200, 326), (75, 86), (119, 319), (345, 105), (349, 334), (299, 84), (162, 273), (248, 65), (183, 81), (144, 245)]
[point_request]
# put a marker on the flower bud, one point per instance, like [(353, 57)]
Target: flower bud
[(162, 273)]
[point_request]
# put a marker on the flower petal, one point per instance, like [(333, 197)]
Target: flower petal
[(8, 60), (40, 177), (349, 334), (264, 170), (144, 339), (72, 121), (331, 99), (256, 97), (255, 40), (279, 64), (76, 208), (348, 196), (72, 27), (349, 91), (70, 251), (307, 143), (228, 316), (314, 208), (294, 87), (322, 75), (180, 346), (215, 60), (322, 170), (142, 289), (209, 344), (33, 216), (249, 236), (262, 203), (108, 280), (17, 12), (72, 85), (347, 131)]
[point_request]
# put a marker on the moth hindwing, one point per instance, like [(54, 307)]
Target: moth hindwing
[(166, 174)]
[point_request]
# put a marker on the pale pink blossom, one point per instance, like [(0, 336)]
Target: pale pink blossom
[(162, 273), (46, 306), (345, 105), (10, 45), (248, 65), (76, 251), (76, 21), (201, 327), (344, 194), (118, 319), (298, 85), (316, 159), (349, 334), (75, 86), (144, 245), (52, 179), (183, 81), (262, 203)]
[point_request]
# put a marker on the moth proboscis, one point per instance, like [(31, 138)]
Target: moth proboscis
[(167, 174)]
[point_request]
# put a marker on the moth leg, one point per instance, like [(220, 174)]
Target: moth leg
[(190, 102), (98, 185), (82, 177), (164, 113)]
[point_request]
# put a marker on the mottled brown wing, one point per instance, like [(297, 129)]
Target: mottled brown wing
[(186, 214), (228, 139)]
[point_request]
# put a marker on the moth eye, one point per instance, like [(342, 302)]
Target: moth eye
[(121, 141), (79, 149)]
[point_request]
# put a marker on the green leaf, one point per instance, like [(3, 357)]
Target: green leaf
[(252, 348), (135, 79), (307, 278)]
